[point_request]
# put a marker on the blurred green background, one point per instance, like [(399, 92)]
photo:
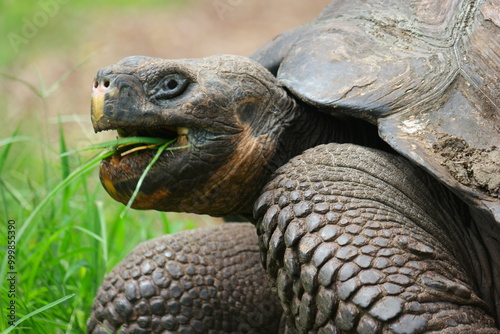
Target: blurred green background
[(68, 231)]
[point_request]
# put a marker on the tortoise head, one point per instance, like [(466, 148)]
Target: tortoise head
[(222, 112)]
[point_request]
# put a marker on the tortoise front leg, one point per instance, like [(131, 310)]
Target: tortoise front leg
[(360, 241), (208, 280)]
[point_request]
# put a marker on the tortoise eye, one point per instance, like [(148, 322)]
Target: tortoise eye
[(170, 86)]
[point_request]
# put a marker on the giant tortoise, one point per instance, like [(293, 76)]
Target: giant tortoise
[(364, 148)]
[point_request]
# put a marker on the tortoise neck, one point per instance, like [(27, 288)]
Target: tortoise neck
[(307, 127), (294, 127)]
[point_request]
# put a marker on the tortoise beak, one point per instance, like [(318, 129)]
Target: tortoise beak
[(114, 101), (102, 90)]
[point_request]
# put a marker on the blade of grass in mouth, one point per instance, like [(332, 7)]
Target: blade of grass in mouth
[(113, 146), (143, 176)]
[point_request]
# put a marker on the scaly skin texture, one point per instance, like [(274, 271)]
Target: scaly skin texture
[(204, 281), (360, 241)]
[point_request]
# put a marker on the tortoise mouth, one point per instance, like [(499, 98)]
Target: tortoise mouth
[(177, 135), (120, 172)]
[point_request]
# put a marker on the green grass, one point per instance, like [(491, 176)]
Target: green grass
[(68, 233)]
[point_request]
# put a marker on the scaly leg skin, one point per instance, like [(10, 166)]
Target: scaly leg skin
[(360, 241), (208, 280)]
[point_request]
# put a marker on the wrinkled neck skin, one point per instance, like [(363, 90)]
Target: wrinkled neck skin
[(312, 127), (484, 246), (298, 127)]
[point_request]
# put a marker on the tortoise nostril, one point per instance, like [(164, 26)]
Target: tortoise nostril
[(102, 84)]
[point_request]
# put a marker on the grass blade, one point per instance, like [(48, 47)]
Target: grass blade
[(104, 238), (143, 176), (76, 173), (6, 151), (15, 194), (12, 140), (63, 149), (30, 86), (119, 142), (41, 309)]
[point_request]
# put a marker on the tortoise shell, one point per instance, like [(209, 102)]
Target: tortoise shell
[(425, 72)]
